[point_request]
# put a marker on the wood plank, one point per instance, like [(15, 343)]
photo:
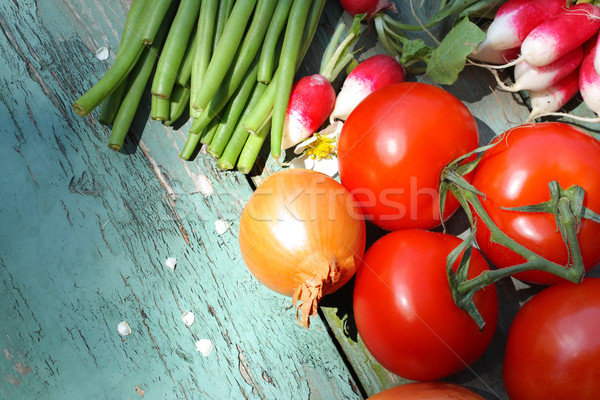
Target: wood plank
[(86, 233)]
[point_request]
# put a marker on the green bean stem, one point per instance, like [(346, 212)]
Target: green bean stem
[(232, 114), (203, 48), (287, 69), (174, 48), (264, 108), (225, 51), (155, 20), (251, 149), (134, 91), (245, 57), (234, 147), (160, 108), (180, 100), (110, 105), (225, 7), (269, 48), (185, 68)]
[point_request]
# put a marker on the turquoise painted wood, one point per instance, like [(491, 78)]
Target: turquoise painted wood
[(86, 232)]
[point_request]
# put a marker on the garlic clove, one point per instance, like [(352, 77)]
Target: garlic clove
[(171, 262), (101, 54), (188, 318), (221, 226), (204, 346), (123, 328)]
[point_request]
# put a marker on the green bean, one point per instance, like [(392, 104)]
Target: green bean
[(225, 51), (110, 105), (185, 68), (203, 48), (246, 55), (287, 69), (134, 91), (265, 106), (240, 134), (268, 51), (232, 114), (111, 80), (160, 108), (155, 20), (251, 150), (174, 48), (180, 99)]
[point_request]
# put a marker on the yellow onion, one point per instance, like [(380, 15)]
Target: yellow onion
[(302, 235)]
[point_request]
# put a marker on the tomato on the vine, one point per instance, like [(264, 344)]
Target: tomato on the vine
[(405, 312), (393, 147), (553, 345), (516, 172)]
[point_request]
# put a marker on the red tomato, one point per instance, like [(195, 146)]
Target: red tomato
[(553, 345), (516, 172), (405, 312), (393, 147), (427, 391)]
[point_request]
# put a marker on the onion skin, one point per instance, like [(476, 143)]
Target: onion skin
[(302, 234), (427, 391)]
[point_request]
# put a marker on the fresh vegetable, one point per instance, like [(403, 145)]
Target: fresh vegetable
[(386, 157), (516, 172), (589, 81), (553, 346), (302, 235), (442, 58), (313, 97), (529, 77), (290, 51), (515, 19), (426, 391), (371, 74), (312, 100), (492, 56), (369, 7), (405, 312), (553, 98), (559, 35)]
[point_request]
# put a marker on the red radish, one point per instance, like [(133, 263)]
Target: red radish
[(589, 81), (515, 19), (529, 77), (553, 98), (597, 56), (312, 98), (370, 7), (589, 87), (493, 56), (371, 74), (311, 101), (559, 35)]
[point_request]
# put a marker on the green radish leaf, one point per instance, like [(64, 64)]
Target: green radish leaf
[(414, 49), (449, 58)]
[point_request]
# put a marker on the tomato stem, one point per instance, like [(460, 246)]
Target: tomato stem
[(566, 205)]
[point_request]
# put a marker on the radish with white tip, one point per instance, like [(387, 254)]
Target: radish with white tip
[(371, 74), (515, 19), (559, 35), (553, 98), (529, 77), (589, 87), (312, 98), (489, 55)]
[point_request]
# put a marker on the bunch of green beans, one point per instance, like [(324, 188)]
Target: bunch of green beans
[(228, 64)]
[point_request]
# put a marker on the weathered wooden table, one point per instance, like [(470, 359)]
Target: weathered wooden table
[(85, 233)]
